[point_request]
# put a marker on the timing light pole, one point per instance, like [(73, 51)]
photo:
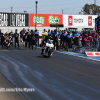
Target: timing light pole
[(36, 15)]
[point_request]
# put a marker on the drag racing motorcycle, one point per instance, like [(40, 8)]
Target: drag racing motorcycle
[(48, 50)]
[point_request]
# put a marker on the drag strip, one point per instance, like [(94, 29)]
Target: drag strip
[(79, 55), (61, 77)]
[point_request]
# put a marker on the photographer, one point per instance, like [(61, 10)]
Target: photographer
[(7, 42)]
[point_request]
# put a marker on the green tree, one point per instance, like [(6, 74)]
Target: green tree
[(91, 9), (86, 9)]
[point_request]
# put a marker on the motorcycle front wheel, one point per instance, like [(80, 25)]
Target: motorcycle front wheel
[(49, 53)]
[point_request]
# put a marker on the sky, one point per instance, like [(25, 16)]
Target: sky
[(45, 6)]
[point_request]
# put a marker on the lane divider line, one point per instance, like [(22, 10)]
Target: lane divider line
[(78, 55), (75, 54)]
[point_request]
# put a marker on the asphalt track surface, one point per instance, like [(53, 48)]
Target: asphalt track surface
[(61, 77)]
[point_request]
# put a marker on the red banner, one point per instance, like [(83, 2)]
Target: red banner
[(70, 20), (44, 20), (89, 20), (93, 54)]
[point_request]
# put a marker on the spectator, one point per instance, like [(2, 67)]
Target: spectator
[(36, 33), (55, 39), (16, 36), (76, 35), (7, 42), (1, 37), (24, 32), (49, 33), (64, 38), (69, 39), (95, 39)]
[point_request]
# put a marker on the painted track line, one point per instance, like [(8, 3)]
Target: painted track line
[(77, 55)]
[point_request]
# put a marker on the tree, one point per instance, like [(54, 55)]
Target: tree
[(91, 9), (86, 9)]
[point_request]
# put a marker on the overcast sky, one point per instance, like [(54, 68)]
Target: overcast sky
[(45, 6)]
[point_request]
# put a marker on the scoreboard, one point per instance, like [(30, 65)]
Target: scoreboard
[(98, 27)]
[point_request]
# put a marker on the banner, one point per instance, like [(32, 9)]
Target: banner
[(70, 20), (79, 20), (96, 54), (89, 20), (44, 20), (14, 19)]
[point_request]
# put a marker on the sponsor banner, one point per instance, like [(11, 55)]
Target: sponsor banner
[(70, 20), (14, 19), (79, 20), (96, 54), (89, 20), (44, 20)]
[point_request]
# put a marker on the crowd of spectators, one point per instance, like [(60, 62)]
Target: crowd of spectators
[(60, 38)]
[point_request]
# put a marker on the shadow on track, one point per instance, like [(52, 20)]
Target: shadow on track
[(40, 56)]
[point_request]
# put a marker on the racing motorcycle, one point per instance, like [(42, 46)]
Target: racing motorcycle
[(48, 49)]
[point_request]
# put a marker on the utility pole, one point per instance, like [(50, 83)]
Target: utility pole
[(11, 16), (11, 9), (62, 11), (95, 2), (25, 11), (95, 7), (36, 15)]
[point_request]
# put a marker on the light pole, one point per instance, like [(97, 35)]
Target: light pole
[(11, 16), (36, 15), (24, 14)]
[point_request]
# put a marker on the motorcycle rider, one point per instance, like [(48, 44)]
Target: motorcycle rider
[(45, 38)]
